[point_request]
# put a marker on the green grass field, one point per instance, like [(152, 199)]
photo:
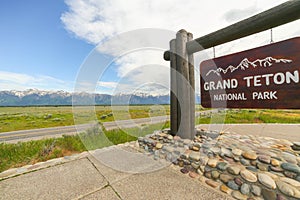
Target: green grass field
[(235, 116), (23, 118), (23, 153)]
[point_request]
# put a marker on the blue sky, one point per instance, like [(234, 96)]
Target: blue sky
[(34, 41), (43, 44)]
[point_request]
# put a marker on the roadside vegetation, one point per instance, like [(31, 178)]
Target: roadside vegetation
[(24, 118), (26, 153), (238, 116)]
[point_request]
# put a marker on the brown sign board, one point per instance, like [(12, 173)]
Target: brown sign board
[(264, 77)]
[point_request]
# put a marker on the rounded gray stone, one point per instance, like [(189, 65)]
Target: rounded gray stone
[(264, 159), (232, 185), (256, 190), (252, 168), (248, 176), (195, 165), (222, 166), (235, 170), (207, 175), (288, 189), (296, 148), (215, 174), (237, 152), (290, 174), (226, 152), (262, 167), (245, 189), (225, 178), (291, 167), (266, 180), (245, 162), (207, 168), (238, 181), (238, 195), (195, 156), (268, 194), (296, 144), (289, 158), (276, 169), (291, 181)]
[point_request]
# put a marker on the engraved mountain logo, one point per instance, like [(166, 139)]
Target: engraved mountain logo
[(245, 64)]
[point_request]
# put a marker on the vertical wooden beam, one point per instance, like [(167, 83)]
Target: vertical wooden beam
[(183, 85), (173, 90), (192, 87)]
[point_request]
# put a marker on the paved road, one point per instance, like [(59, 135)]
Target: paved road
[(138, 122), (36, 134), (24, 135), (287, 131), (135, 122)]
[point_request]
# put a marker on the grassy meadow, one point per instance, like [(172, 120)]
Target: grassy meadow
[(25, 153), (20, 118), (23, 118), (240, 116)]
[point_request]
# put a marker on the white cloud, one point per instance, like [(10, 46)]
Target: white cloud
[(15, 77), (104, 84), (98, 20), (235, 15), (19, 81)]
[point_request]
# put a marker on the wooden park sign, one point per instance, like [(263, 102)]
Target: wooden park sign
[(264, 77)]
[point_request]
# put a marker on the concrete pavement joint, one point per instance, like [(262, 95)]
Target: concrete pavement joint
[(97, 190), (108, 183), (14, 172), (115, 191), (120, 178)]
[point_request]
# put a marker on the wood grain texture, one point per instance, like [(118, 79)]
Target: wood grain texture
[(288, 94)]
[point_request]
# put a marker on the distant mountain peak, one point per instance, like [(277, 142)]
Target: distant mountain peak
[(33, 97), (37, 92), (246, 64)]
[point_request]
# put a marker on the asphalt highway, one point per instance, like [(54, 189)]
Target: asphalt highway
[(36, 134), (280, 131)]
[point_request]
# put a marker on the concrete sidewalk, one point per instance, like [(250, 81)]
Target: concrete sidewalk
[(279, 131), (117, 172)]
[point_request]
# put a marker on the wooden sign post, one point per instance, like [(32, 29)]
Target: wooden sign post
[(264, 77), (182, 86)]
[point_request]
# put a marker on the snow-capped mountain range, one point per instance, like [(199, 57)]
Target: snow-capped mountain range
[(38, 92), (245, 64), (33, 97)]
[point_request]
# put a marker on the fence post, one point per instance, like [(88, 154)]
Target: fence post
[(183, 85), (173, 92), (192, 87)]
